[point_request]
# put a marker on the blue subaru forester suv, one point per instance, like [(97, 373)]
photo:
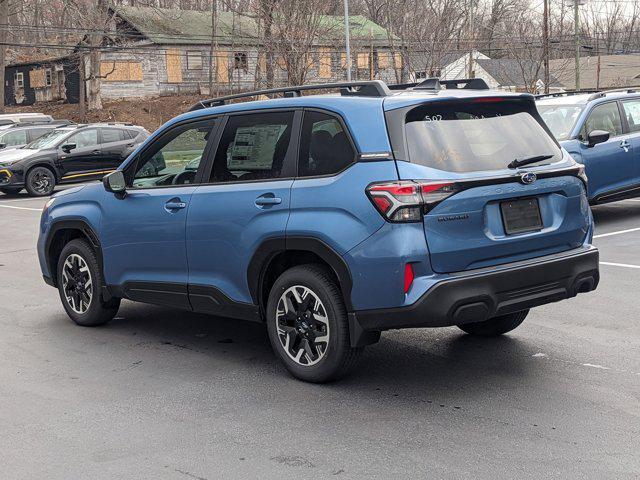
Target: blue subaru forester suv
[(601, 130), (333, 218)]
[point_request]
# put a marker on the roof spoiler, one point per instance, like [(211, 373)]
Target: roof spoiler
[(371, 88)]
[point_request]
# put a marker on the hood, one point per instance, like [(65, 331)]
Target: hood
[(15, 154)]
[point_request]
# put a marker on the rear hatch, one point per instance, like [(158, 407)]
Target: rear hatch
[(479, 207)]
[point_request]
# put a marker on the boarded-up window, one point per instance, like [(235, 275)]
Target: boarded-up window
[(282, 63), (397, 61), (194, 60), (324, 63), (262, 62), (343, 60), (174, 65), (222, 67), (363, 60), (383, 60), (36, 78), (111, 71)]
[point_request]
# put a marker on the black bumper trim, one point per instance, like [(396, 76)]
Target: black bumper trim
[(481, 294)]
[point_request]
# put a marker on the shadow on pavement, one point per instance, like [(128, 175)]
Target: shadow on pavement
[(442, 361)]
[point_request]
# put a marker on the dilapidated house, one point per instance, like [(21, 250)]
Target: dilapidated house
[(164, 51), (42, 81)]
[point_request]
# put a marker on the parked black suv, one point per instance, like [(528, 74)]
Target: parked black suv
[(73, 153)]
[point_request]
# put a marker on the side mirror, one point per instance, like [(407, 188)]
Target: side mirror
[(3, 145), (67, 147), (597, 136), (115, 183)]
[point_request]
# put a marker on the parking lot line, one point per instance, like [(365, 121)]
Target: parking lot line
[(625, 265), (619, 232), (21, 208)]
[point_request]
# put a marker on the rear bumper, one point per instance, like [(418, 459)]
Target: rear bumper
[(480, 294)]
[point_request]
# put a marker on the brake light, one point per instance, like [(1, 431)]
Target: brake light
[(408, 200), (408, 277)]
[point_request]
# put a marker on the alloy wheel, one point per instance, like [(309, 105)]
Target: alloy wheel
[(303, 325), (77, 283), (42, 181)]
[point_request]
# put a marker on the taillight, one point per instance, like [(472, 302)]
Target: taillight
[(408, 200)]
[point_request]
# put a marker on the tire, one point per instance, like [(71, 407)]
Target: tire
[(495, 326), (11, 190), (40, 182), (78, 263), (300, 321)]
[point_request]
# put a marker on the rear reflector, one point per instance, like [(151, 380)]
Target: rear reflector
[(408, 277), (408, 200)]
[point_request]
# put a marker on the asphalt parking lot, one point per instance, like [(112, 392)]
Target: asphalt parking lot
[(161, 393)]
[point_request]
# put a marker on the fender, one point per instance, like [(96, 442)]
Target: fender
[(269, 248), (88, 233)]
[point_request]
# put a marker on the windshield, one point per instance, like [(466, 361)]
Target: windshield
[(482, 134), (48, 141), (560, 118)]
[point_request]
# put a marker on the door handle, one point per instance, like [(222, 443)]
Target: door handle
[(625, 145), (267, 200), (96, 152), (174, 204)]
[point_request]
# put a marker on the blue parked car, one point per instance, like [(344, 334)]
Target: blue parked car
[(333, 218), (601, 130)]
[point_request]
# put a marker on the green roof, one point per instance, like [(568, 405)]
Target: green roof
[(191, 27)]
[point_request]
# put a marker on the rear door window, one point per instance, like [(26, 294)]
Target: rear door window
[(111, 135), (476, 134), (325, 148)]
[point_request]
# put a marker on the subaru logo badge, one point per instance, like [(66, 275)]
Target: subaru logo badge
[(528, 178)]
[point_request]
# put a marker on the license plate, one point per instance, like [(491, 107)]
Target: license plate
[(519, 216)]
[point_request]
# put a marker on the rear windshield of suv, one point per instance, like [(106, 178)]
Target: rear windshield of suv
[(476, 134)]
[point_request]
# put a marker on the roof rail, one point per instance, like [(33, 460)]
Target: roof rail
[(603, 93), (369, 88), (437, 84), (566, 93)]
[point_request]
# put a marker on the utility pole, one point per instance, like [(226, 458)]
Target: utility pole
[(471, 38), (213, 58), (545, 44), (576, 34), (4, 21), (346, 39)]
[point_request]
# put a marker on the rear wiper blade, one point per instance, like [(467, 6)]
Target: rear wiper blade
[(526, 161)]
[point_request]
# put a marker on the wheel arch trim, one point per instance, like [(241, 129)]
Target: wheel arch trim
[(72, 224), (271, 247)]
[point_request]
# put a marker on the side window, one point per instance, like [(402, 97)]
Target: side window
[(110, 135), (253, 147), (603, 117), (324, 148), (632, 112), (175, 159), (18, 137), (85, 138)]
